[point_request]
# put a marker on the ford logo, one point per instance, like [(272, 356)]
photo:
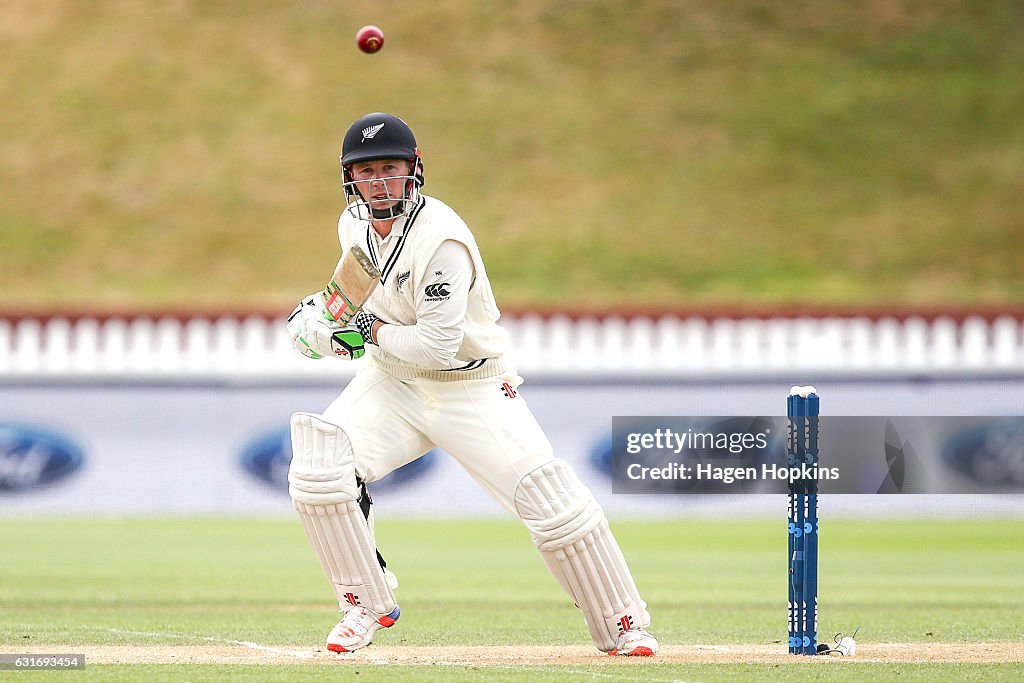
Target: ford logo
[(31, 458), (601, 456), (992, 454), (267, 458)]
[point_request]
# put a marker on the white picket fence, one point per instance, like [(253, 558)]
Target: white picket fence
[(666, 346)]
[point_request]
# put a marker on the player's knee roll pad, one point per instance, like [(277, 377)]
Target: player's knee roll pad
[(571, 532), (322, 471), (322, 483)]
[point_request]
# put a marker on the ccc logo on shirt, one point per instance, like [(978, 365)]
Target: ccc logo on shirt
[(437, 292)]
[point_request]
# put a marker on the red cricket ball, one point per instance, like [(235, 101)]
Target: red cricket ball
[(370, 39)]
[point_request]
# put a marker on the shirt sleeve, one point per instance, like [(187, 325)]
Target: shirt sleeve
[(441, 304), (344, 232)]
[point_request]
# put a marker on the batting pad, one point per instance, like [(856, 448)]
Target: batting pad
[(571, 532), (322, 484)]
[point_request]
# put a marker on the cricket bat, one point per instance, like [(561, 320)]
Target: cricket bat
[(350, 286)]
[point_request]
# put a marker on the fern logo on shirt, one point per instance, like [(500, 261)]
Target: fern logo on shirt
[(437, 292), (402, 277)]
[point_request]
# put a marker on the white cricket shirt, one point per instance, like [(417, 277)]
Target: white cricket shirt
[(434, 295)]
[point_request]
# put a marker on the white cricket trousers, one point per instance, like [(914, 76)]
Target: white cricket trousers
[(391, 422)]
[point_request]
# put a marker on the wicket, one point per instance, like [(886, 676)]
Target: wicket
[(802, 447)]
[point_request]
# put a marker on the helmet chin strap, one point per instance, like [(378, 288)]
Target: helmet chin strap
[(389, 213)]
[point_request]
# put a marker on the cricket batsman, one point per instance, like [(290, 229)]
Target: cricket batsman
[(436, 376)]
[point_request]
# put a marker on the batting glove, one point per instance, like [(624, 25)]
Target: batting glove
[(363, 322), (315, 337)]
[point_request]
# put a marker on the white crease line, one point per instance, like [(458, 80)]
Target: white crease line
[(214, 639)]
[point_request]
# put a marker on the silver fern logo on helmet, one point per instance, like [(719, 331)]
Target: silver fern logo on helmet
[(370, 131)]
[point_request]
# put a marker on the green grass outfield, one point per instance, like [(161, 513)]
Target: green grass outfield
[(215, 583)]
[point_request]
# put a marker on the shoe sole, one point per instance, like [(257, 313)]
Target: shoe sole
[(638, 651)]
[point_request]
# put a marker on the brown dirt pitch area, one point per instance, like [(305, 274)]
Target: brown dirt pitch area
[(253, 653)]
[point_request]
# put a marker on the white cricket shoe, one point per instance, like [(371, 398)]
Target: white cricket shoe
[(356, 628), (635, 642)]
